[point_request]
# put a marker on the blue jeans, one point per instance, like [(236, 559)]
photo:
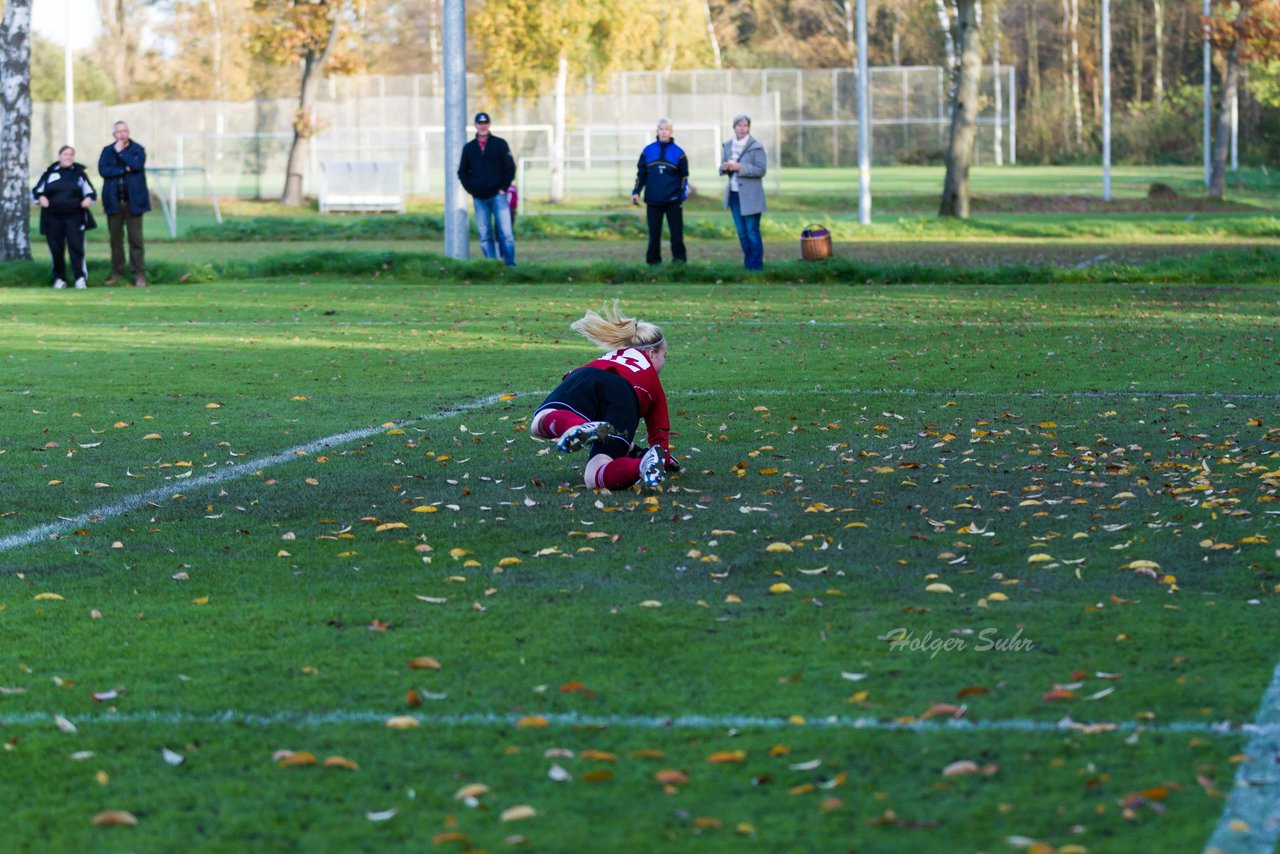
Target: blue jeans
[(494, 215), (748, 234)]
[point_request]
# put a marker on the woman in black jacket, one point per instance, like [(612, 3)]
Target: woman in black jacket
[(65, 195)]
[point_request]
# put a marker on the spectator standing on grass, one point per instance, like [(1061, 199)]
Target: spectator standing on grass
[(486, 171), (601, 403), (125, 198), (65, 195), (744, 161), (662, 174)]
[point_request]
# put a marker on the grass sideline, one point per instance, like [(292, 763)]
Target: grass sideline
[(1103, 459)]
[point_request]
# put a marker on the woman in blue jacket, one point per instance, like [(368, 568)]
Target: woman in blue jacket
[(663, 175)]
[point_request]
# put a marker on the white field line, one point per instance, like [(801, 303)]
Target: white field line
[(160, 493), (315, 720), (1251, 818)]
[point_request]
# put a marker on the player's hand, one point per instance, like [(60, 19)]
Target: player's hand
[(635, 198), (44, 201), (86, 202), (671, 464)]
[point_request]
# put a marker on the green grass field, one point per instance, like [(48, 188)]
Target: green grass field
[(950, 567)]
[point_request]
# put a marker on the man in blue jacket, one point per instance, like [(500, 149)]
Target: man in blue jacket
[(663, 175), (125, 199), (486, 171)]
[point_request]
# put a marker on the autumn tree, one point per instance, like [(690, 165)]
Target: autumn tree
[(307, 32), (15, 131), (208, 55), (121, 42), (554, 40), (1243, 31), (964, 111)]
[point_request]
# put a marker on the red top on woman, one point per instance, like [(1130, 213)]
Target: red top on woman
[(634, 366)]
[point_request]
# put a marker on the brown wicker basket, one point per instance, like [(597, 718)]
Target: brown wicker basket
[(815, 243)]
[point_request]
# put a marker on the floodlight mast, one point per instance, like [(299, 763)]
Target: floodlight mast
[(864, 121), (457, 237)]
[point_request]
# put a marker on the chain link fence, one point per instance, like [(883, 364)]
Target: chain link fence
[(805, 118)]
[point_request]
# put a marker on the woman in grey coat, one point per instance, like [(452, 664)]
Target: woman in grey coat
[(744, 161)]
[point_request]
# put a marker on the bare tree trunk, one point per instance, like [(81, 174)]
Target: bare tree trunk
[(122, 21), (1139, 55), (964, 113), (944, 21), (1066, 72), (850, 41), (897, 33), (561, 127), (15, 132), (1077, 112), (1033, 55), (997, 135), (304, 121), (433, 37), (711, 32), (1230, 90), (1157, 11)]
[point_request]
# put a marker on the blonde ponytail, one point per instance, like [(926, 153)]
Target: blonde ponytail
[(610, 329)]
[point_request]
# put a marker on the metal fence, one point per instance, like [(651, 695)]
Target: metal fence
[(805, 118)]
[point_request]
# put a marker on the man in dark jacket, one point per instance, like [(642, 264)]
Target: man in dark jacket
[(486, 171), (125, 198), (663, 175), (65, 195)]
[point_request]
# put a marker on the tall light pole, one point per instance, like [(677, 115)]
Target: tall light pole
[(457, 236), (864, 120), (69, 79)]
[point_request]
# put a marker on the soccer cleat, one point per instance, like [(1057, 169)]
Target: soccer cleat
[(58, 284), (576, 438), (651, 466), (80, 283)]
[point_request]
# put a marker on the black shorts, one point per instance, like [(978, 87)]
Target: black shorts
[(599, 395)]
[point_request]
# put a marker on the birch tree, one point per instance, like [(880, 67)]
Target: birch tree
[(711, 33), (307, 32), (964, 113), (15, 132)]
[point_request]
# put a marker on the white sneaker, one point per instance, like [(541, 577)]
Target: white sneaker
[(80, 283), (652, 472), (578, 437), (58, 284)]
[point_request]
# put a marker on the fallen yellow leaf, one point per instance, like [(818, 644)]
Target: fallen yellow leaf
[(340, 762), (518, 813), (471, 790), (403, 722)]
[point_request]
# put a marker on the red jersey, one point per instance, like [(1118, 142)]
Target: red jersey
[(634, 366)]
